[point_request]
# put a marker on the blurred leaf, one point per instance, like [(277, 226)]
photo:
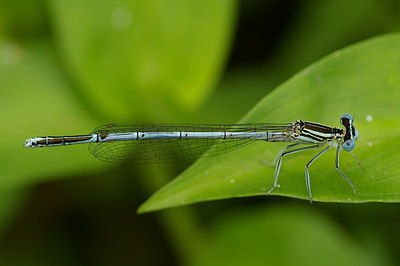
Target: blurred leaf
[(362, 80), (11, 202), (326, 24), (35, 100), (279, 236), (245, 85), (23, 19), (148, 58)]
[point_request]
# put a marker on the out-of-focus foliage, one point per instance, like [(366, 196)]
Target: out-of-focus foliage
[(35, 98), (260, 236), (67, 66), (144, 59)]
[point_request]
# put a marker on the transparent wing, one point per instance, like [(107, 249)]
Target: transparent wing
[(161, 150), (166, 150)]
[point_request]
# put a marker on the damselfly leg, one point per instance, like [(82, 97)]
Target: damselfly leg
[(308, 175), (341, 172), (284, 153)]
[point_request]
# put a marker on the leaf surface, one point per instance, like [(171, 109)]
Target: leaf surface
[(362, 80)]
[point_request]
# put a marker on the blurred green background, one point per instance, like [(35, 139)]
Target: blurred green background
[(69, 66)]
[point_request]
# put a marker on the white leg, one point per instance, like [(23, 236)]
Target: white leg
[(308, 175), (278, 165), (341, 172)]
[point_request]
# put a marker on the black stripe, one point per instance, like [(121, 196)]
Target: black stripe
[(313, 136), (319, 127), (307, 133)]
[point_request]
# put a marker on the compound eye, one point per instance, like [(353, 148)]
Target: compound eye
[(349, 145), (356, 134), (347, 117)]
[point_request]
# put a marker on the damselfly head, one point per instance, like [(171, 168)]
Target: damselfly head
[(351, 134)]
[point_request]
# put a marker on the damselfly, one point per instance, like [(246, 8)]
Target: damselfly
[(163, 143)]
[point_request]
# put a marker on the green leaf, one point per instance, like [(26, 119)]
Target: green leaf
[(12, 201), (362, 80), (281, 235), (327, 31), (132, 56)]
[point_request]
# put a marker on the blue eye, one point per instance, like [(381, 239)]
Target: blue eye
[(349, 145), (355, 134), (347, 116)]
